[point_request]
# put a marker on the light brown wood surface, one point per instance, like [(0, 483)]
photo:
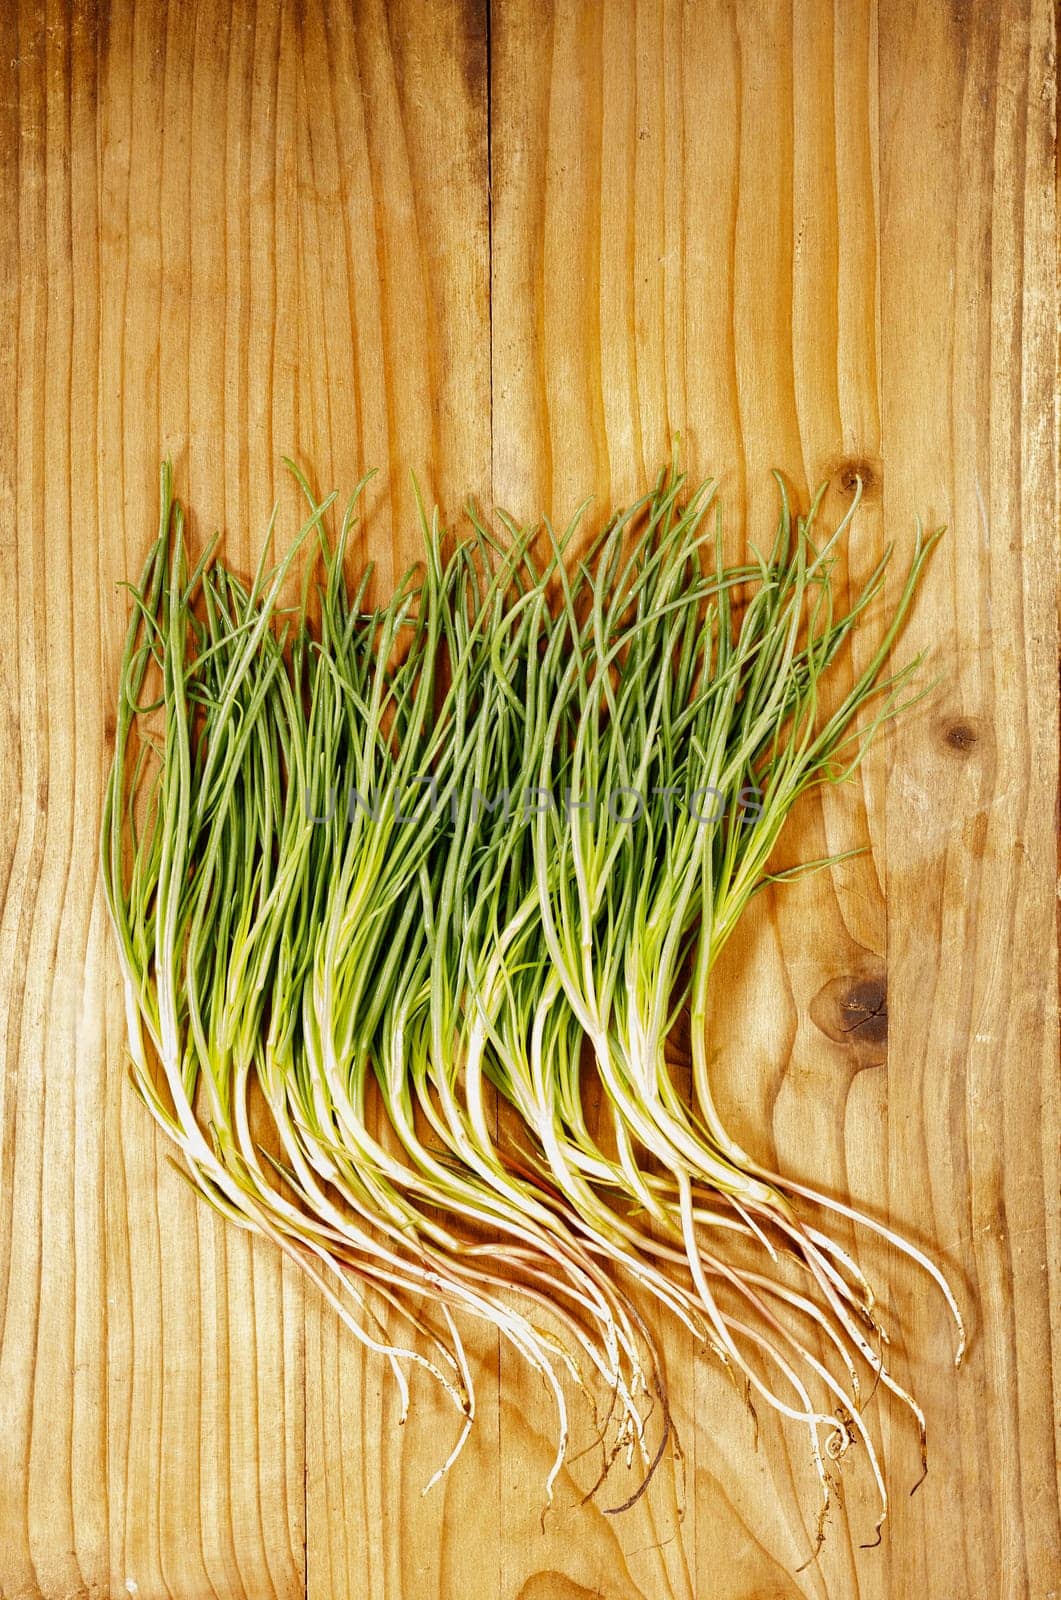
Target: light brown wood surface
[(517, 251)]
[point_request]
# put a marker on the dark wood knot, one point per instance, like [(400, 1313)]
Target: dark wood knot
[(852, 1010), (864, 1006), (960, 735), (847, 472)]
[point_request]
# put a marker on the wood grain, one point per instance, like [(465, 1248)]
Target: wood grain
[(517, 248), (214, 247)]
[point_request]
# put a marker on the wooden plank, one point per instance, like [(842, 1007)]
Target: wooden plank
[(218, 242), (969, 352), (688, 237)]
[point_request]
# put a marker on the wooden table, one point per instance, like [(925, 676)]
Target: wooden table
[(517, 249)]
